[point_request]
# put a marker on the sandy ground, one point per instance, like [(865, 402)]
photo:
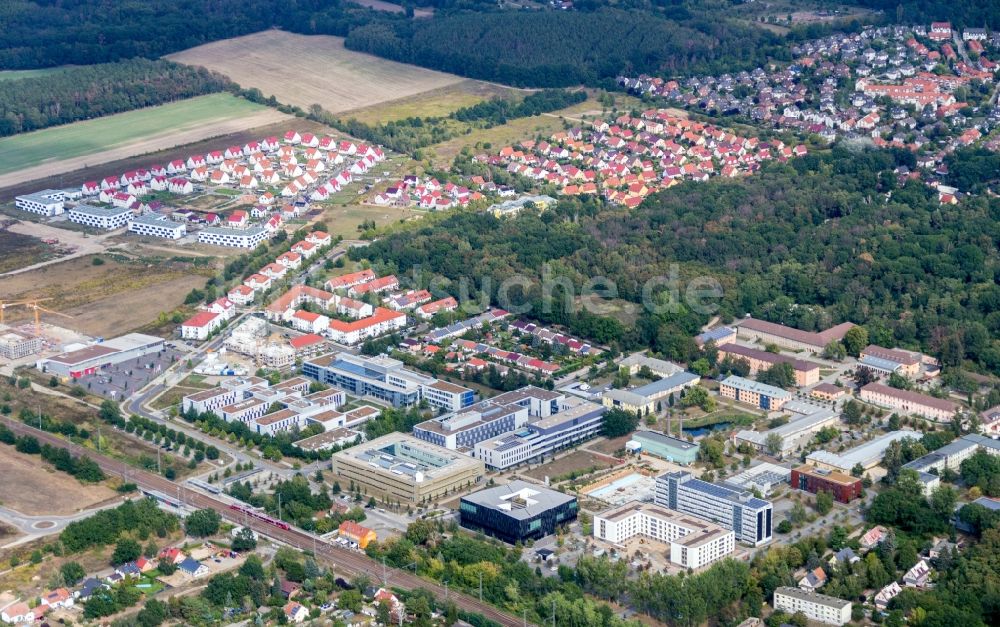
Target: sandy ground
[(35, 489), (323, 71), (162, 141)]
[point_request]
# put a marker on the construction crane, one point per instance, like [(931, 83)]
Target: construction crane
[(27, 303), (38, 323)]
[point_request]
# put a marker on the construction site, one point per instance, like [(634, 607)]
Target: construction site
[(265, 346), (25, 341)]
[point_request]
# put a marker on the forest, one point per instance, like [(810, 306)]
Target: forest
[(81, 93), (558, 49), (816, 241), (497, 111)]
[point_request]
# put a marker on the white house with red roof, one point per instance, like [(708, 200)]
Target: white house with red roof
[(194, 161), (176, 167), (292, 137), (258, 282), (304, 248), (309, 322), (319, 238), (158, 183), (200, 174), (222, 306), (380, 322), (238, 219), (157, 170), (241, 295), (266, 198), (60, 597), (383, 284), (274, 271), (218, 177), (216, 157), (110, 183), (308, 139), (91, 188), (349, 280), (290, 260), (201, 325), (427, 311), (180, 186)]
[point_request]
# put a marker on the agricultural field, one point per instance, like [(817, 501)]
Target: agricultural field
[(108, 299), (305, 70), (435, 103), (34, 488), (392, 7), (14, 75), (61, 149)]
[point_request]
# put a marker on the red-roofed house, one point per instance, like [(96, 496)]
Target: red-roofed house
[(445, 304), (358, 534), (309, 322), (290, 260), (319, 238), (306, 343), (201, 325), (380, 322), (238, 219), (258, 282), (350, 280), (241, 295), (383, 284), (304, 248)]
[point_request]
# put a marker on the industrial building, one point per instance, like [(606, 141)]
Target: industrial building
[(843, 487), (517, 512), (818, 607), (868, 454), (747, 516), (399, 468), (664, 446), (386, 380), (89, 359), (764, 477), (693, 542)]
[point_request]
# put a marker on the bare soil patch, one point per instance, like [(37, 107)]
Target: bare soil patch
[(574, 462), (312, 69), (35, 489)]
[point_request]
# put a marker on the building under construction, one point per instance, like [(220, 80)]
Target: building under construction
[(15, 344)]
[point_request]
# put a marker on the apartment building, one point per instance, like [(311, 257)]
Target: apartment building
[(738, 510), (381, 321), (156, 226), (201, 325), (950, 456), (909, 402), (489, 418), (386, 380), (806, 372), (107, 219), (233, 238), (245, 411), (48, 202), (818, 607), (693, 542), (765, 332), (754, 393)]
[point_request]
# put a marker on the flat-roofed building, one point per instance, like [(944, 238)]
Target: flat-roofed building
[(233, 238), (764, 477), (107, 218), (747, 516), (787, 337), (818, 607), (950, 456), (48, 202), (245, 411), (16, 344), (665, 447), (806, 372), (843, 487), (157, 226), (400, 468), (89, 359), (868, 454), (329, 439), (794, 434), (517, 511), (908, 363), (909, 402), (754, 393), (693, 542), (662, 368), (642, 400), (719, 336), (386, 380)]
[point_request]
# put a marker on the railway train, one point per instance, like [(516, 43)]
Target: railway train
[(249, 511)]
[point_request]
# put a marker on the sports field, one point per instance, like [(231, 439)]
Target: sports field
[(313, 69), (72, 146)]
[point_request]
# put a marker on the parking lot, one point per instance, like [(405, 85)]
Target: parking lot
[(118, 381)]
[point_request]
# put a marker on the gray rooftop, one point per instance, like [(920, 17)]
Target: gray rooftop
[(519, 499), (812, 597), (100, 212)]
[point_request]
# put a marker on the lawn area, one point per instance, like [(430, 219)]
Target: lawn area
[(435, 103), (13, 75), (94, 136), (343, 220)]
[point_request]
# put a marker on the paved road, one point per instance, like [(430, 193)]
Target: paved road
[(344, 560), (38, 526)]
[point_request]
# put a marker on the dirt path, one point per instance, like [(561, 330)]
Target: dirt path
[(162, 141)]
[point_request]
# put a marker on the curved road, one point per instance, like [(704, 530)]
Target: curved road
[(346, 560)]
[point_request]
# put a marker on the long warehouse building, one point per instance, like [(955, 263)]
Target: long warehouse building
[(89, 359)]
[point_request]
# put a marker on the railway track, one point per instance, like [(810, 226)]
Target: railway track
[(342, 559)]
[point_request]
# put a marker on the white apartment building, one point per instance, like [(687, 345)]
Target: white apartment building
[(818, 607), (749, 517), (693, 542), (157, 226), (281, 420), (48, 202), (201, 325), (245, 411), (909, 402), (100, 217), (233, 238)]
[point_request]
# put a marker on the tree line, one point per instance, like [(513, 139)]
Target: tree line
[(82, 467), (82, 93), (498, 111)]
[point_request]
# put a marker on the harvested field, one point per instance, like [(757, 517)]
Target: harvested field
[(577, 461), (435, 103), (344, 220), (323, 71), (35, 488), (65, 148), (105, 300), (391, 7)]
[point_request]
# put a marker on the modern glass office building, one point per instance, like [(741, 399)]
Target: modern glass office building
[(517, 511)]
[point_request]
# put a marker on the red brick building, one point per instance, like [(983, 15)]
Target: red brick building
[(843, 487)]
